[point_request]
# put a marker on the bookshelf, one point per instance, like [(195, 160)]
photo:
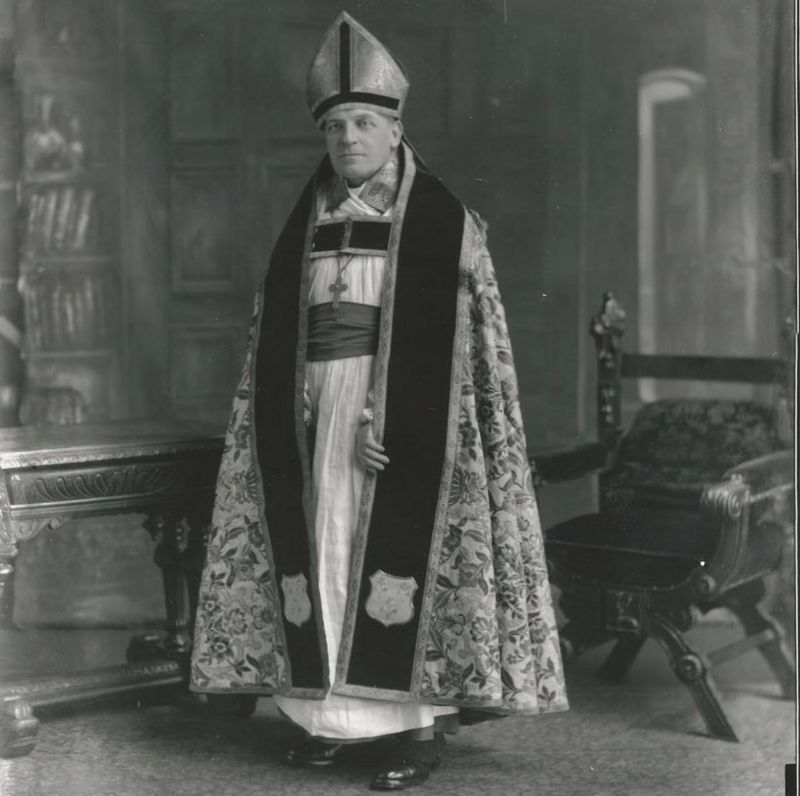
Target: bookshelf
[(69, 255)]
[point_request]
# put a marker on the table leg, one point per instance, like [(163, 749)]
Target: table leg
[(169, 558), (18, 728), (6, 592), (194, 556), (171, 536)]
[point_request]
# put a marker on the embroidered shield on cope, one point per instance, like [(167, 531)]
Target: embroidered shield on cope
[(296, 604), (391, 599)]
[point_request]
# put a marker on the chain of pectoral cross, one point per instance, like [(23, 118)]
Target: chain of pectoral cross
[(338, 287)]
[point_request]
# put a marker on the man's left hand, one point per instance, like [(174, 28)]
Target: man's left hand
[(369, 451)]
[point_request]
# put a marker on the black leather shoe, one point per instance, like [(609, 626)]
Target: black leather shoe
[(403, 773), (312, 753)]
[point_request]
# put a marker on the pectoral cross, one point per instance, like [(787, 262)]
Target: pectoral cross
[(337, 288)]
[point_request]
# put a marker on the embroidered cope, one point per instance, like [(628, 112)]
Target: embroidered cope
[(473, 625)]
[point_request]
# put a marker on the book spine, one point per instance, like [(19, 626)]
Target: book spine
[(56, 310), (30, 321), (90, 319), (102, 310), (83, 220), (36, 318), (65, 203), (49, 219), (34, 216), (44, 311), (81, 338), (69, 316)]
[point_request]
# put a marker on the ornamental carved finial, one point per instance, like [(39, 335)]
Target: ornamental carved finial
[(607, 327)]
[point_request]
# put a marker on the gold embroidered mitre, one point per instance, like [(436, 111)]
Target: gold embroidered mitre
[(352, 69)]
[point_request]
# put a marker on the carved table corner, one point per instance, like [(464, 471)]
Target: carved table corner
[(50, 475)]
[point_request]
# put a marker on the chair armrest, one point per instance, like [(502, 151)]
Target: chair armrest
[(751, 481), (768, 472), (568, 463), (754, 510)]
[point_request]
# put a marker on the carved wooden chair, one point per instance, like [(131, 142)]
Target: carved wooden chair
[(695, 510)]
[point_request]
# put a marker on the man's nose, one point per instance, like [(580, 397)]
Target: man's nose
[(349, 134)]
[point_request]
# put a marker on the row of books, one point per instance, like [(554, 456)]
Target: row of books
[(65, 313), (62, 219)]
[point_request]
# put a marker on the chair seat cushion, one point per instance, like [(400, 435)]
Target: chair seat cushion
[(648, 548), (639, 548), (650, 531)]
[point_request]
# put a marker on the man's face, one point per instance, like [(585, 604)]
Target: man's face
[(359, 142)]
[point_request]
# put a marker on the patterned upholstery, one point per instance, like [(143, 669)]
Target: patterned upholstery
[(700, 436), (675, 446)]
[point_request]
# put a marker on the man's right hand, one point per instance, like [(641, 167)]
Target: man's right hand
[(370, 453)]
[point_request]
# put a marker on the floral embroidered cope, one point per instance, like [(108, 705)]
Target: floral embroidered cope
[(488, 627)]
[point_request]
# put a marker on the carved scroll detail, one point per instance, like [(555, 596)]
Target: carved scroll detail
[(726, 499), (101, 484), (28, 529)]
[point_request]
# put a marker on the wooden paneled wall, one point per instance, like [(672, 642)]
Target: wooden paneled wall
[(528, 111), (494, 109)]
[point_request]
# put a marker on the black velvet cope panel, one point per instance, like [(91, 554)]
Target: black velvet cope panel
[(417, 406), (415, 433), (276, 441)]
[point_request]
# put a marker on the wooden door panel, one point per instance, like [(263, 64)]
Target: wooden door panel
[(204, 240), (486, 111), (202, 98), (209, 300), (205, 360), (274, 57)]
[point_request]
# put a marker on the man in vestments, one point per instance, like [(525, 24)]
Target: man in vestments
[(376, 560)]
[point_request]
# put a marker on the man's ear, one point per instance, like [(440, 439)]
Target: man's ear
[(397, 133)]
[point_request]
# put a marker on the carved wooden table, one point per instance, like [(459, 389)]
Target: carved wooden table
[(48, 475)]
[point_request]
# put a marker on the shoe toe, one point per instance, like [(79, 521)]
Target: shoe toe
[(402, 774), (312, 754)]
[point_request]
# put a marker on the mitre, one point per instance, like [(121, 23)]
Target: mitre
[(352, 69)]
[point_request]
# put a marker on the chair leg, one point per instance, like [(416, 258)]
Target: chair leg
[(693, 670), (582, 632), (619, 660), (756, 619)]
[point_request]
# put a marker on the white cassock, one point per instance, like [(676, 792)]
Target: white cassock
[(338, 390)]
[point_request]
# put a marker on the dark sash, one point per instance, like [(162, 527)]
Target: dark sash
[(417, 407), (349, 330)]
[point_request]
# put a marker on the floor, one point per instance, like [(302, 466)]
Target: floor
[(642, 738)]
